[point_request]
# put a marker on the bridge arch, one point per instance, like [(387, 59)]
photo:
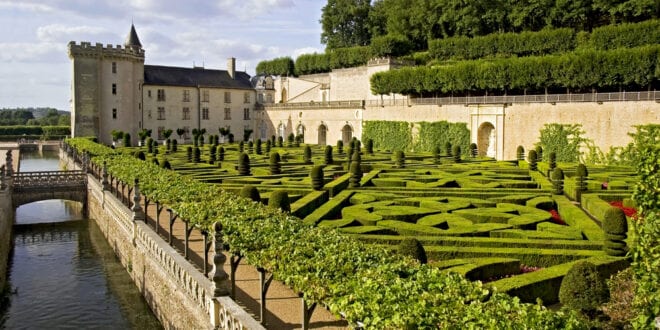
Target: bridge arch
[(30, 187)]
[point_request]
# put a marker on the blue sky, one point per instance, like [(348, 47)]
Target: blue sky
[(35, 70)]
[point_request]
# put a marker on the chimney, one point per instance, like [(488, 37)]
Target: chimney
[(231, 67)]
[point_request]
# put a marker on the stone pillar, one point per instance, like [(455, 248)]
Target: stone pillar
[(104, 174), (138, 214), (219, 277)]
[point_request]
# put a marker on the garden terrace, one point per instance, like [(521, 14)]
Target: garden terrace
[(482, 219)]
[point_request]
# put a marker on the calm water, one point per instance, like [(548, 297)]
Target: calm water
[(62, 272)]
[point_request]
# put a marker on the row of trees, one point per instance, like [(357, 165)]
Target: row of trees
[(44, 117), (637, 68), (348, 23)]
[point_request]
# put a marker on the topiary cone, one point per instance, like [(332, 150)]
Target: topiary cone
[(316, 175), (251, 192), (413, 248), (279, 199)]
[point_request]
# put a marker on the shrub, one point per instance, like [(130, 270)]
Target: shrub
[(189, 152), (369, 146), (581, 175), (127, 140), (316, 175), (539, 153), (619, 308), (250, 192), (355, 170), (328, 155), (290, 139), (140, 155), (257, 148), (436, 155), (340, 147), (520, 153), (413, 248), (583, 289), (230, 137), (281, 66), (274, 163), (456, 151), (250, 146), (175, 145), (279, 199), (220, 153), (269, 144), (399, 159), (552, 160), (155, 147), (390, 45), (241, 146), (307, 155), (473, 150), (244, 164), (531, 159), (150, 145), (558, 181), (155, 161), (166, 165), (615, 227), (448, 149), (197, 155)]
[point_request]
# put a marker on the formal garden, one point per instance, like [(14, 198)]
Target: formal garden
[(436, 237)]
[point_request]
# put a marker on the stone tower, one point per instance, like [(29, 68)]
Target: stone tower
[(106, 88)]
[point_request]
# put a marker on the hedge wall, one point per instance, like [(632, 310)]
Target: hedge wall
[(436, 134), (44, 131), (388, 135), (281, 66), (625, 35), (334, 59), (636, 67), (504, 45)]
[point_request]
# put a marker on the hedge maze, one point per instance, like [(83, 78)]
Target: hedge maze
[(496, 222)]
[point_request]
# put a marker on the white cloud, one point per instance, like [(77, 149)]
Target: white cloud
[(63, 33), (44, 52)]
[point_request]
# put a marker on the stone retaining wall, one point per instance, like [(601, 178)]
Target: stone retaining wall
[(6, 223)]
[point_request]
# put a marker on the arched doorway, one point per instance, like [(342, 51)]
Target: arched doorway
[(322, 134), (281, 130), (262, 131), (300, 131), (487, 140), (346, 134)]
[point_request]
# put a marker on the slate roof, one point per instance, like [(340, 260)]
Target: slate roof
[(193, 77), (132, 38)]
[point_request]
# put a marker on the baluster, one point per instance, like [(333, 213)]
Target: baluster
[(104, 174), (138, 214), (218, 274)]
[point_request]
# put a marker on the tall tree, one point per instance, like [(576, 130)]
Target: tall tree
[(345, 23)]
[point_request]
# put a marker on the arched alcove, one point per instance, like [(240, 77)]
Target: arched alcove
[(487, 140), (322, 135), (346, 134), (281, 131), (300, 131)]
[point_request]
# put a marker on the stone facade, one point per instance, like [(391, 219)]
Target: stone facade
[(6, 224)]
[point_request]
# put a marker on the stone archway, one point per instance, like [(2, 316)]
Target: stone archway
[(281, 131), (322, 135), (487, 140), (300, 131), (347, 134)]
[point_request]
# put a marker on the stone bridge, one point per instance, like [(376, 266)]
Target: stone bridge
[(28, 187)]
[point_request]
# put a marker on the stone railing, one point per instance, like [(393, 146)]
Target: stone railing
[(352, 104)]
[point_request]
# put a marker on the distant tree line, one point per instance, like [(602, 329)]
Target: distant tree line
[(34, 117)]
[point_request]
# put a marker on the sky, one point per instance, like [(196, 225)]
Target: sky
[(35, 70)]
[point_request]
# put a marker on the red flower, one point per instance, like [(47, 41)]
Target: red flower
[(556, 218), (629, 211)]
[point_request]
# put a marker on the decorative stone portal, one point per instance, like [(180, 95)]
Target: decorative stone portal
[(347, 134), (487, 129), (322, 134)]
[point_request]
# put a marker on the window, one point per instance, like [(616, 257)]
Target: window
[(160, 132), (205, 113), (186, 113), (186, 95), (269, 98), (227, 113), (149, 93), (205, 96), (261, 98), (161, 113), (246, 97), (186, 132), (114, 113), (161, 95), (114, 89), (114, 67), (227, 97), (246, 114)]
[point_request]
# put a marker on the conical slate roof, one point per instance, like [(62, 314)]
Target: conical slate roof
[(132, 38)]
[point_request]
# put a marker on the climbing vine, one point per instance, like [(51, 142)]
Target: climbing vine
[(437, 134), (563, 139), (388, 135)]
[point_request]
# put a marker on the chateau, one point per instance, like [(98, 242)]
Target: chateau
[(112, 89)]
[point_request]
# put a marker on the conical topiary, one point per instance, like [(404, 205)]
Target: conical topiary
[(369, 146), (558, 181), (539, 153), (552, 160), (307, 155), (413, 248), (436, 155), (531, 159), (220, 153), (268, 146), (257, 147), (355, 170), (340, 147), (196, 155), (316, 175), (328, 155), (581, 175), (456, 152), (615, 226), (279, 199), (583, 288), (399, 159), (251, 192), (189, 153), (473, 150), (274, 163), (520, 153), (448, 149), (175, 145), (244, 164)]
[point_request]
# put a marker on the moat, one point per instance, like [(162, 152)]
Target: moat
[(62, 272)]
